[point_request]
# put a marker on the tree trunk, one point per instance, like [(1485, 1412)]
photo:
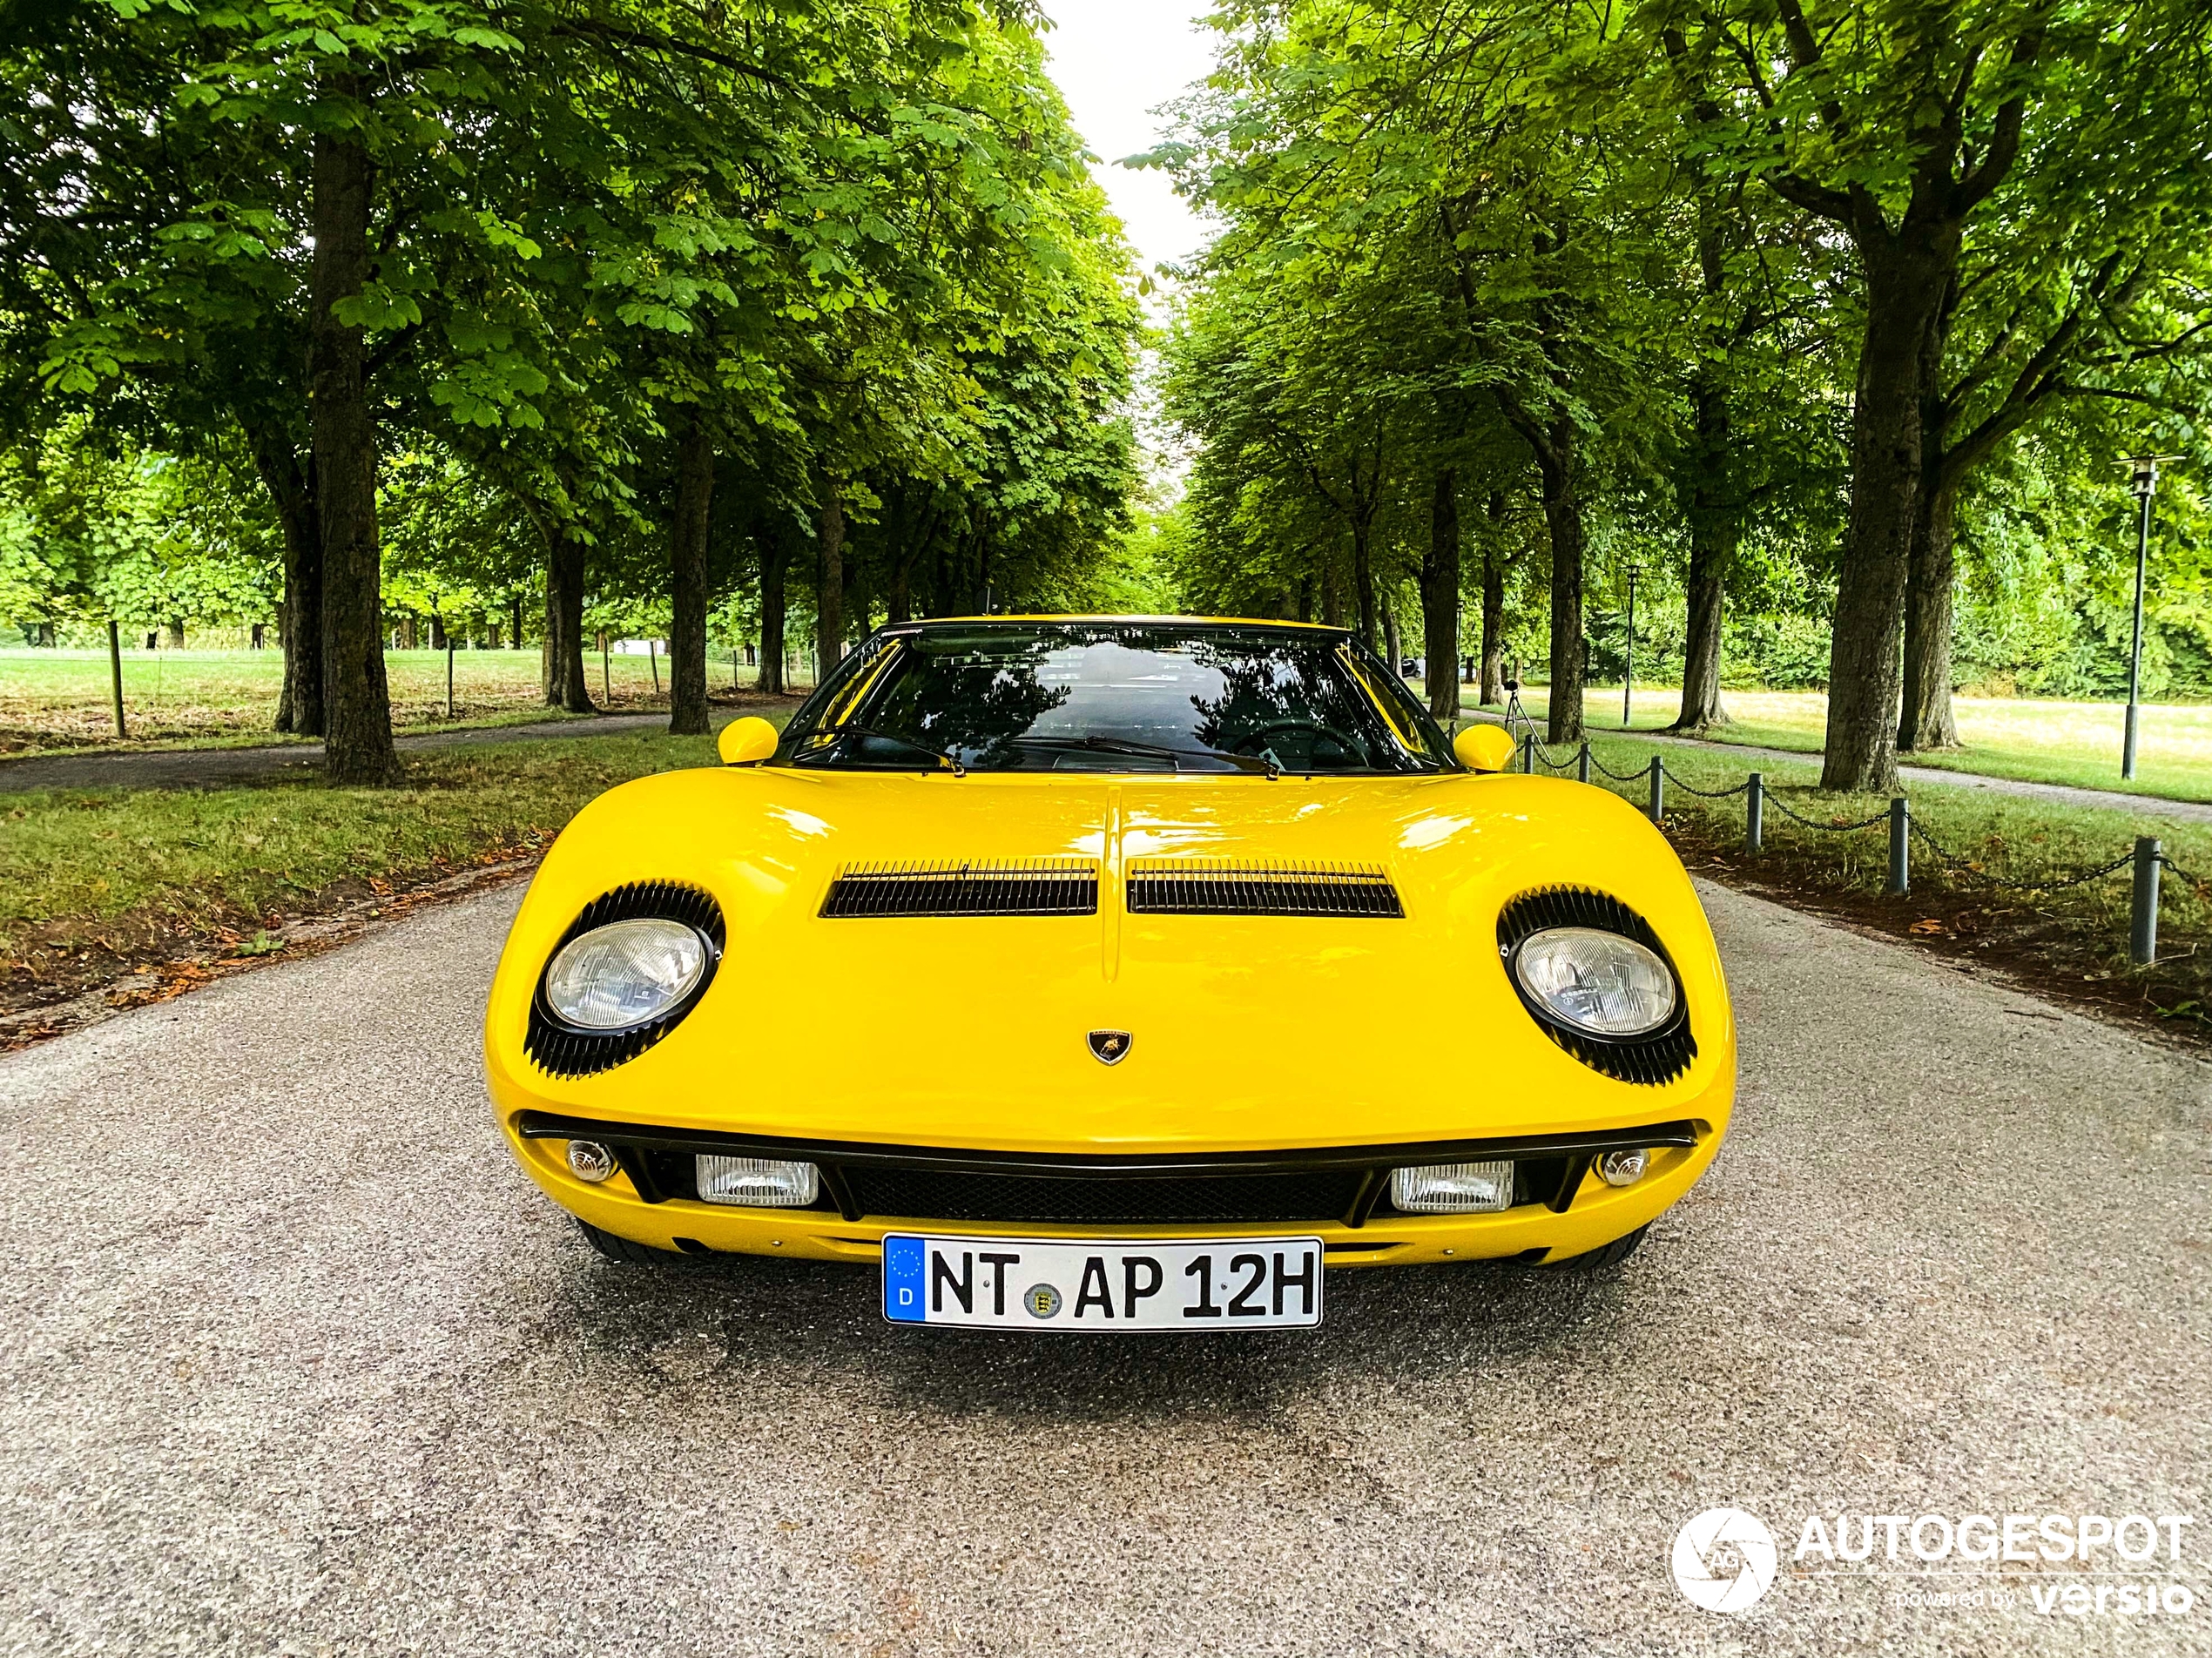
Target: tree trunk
[(1904, 290), (687, 581), (774, 557), (1555, 461), (829, 595), (1927, 721), (1494, 628), (1713, 528), (1332, 593), (1363, 582), (548, 646), (515, 642), (856, 602), (357, 709), (566, 686), (1710, 553), (1440, 598), (1393, 647), (290, 486)]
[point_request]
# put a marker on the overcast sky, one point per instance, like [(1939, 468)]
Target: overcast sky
[(1116, 61)]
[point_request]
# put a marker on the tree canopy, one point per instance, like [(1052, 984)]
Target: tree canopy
[(1792, 303), (650, 306)]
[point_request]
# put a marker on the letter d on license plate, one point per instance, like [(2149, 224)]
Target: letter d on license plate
[(1140, 1285)]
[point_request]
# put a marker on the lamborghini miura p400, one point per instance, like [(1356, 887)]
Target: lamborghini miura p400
[(1112, 974)]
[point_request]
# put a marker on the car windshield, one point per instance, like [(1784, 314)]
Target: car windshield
[(1114, 697)]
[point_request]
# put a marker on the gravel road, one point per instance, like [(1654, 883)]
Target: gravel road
[(293, 1361)]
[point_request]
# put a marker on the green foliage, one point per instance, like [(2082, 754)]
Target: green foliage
[(1589, 256), (148, 540), (854, 239)]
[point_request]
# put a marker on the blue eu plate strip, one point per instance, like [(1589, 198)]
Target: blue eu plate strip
[(902, 1287)]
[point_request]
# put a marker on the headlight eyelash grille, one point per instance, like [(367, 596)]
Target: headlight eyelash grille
[(1655, 1057), (561, 1050)]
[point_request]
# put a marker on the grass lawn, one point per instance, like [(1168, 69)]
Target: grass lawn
[(59, 699), (2077, 744), (97, 884), (2003, 895)]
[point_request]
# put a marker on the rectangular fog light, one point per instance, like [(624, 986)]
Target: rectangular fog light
[(1453, 1188), (757, 1182)]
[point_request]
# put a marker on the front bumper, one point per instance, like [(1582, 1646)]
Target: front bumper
[(1564, 1208)]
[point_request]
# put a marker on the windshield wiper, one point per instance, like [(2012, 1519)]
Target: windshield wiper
[(906, 742), (1148, 750)]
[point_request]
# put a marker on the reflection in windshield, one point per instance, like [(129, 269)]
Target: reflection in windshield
[(1111, 696)]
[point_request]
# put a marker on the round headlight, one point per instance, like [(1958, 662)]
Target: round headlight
[(624, 974), (1595, 982)]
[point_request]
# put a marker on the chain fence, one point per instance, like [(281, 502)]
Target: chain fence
[(2147, 859)]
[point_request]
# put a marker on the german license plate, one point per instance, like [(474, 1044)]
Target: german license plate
[(1142, 1285)]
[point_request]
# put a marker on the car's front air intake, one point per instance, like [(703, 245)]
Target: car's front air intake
[(1021, 886), (1190, 886)]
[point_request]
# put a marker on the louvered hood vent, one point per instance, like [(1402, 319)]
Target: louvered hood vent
[(1185, 887), (1018, 887)]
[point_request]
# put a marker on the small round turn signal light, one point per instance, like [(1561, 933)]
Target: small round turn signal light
[(1623, 1168), (588, 1159)]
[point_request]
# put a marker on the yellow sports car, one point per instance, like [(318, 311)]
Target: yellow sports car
[(1112, 974)]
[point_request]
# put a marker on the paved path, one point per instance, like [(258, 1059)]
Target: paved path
[(200, 768), (293, 1360), (2148, 806)]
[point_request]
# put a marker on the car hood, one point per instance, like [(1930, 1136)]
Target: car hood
[(1245, 1031)]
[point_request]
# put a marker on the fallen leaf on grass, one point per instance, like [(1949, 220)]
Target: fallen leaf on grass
[(1928, 929), (262, 943)]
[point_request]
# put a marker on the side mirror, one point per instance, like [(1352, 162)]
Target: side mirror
[(746, 742), (1484, 748)]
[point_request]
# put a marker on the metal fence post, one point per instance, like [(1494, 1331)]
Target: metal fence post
[(2142, 915), (115, 673), (1583, 764), (1658, 790), (1528, 752), (1900, 846), (1755, 813)]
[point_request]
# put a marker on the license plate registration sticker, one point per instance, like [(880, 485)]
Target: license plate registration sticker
[(1137, 1286)]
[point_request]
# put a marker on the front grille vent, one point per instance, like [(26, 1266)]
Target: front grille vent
[(1307, 1196), (1020, 886), (1190, 887)]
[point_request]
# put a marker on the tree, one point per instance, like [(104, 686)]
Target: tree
[(1906, 127)]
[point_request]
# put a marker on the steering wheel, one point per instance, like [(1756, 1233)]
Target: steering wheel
[(1244, 744)]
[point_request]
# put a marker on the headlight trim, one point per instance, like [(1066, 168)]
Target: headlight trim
[(560, 1048), (1635, 954), (1651, 1059)]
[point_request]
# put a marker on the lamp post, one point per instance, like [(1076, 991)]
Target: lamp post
[(1628, 672), (2144, 481)]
